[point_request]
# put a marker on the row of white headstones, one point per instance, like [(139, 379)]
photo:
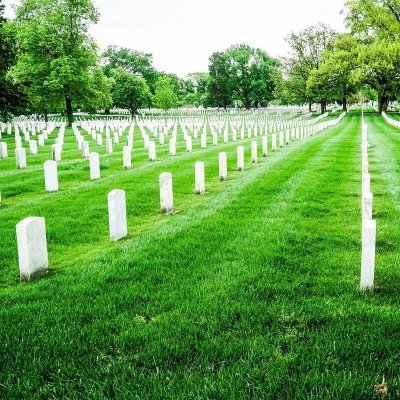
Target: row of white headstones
[(20, 153), (50, 167), (31, 232), (368, 235)]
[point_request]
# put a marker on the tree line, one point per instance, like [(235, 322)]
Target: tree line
[(49, 63)]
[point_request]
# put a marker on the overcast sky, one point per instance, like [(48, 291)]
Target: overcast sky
[(182, 34)]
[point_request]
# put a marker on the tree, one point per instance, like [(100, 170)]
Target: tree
[(130, 91), (165, 96), (100, 92), (56, 54), (199, 81), (306, 49), (219, 89), (376, 25), (243, 74), (252, 74), (12, 99), (132, 61), (333, 80)]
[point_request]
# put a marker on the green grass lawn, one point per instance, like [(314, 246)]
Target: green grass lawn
[(248, 292)]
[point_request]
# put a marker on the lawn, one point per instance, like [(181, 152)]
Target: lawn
[(249, 291)]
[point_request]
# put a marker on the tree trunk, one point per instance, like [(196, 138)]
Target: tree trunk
[(133, 111), (309, 107), (107, 111), (70, 115), (383, 102), (323, 107), (46, 116), (344, 103)]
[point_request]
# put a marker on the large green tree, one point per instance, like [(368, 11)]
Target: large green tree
[(376, 25), (130, 91), (242, 74), (252, 74), (132, 61), (332, 81), (56, 54), (305, 55)]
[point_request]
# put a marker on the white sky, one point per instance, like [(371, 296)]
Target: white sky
[(182, 34)]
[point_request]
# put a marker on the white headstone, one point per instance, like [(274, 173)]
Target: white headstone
[(200, 184), (366, 183), (109, 146), (264, 145), (127, 159), (33, 147), (367, 206), (41, 140), (273, 140), (240, 158), (189, 144), (18, 142), (3, 150), (254, 151), (51, 176), (85, 149), (56, 152), (172, 147), (161, 138), (117, 214), (32, 247), (94, 161), (223, 167), (166, 194), (152, 150), (20, 157), (203, 141), (368, 254)]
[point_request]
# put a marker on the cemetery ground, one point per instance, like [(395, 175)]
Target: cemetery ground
[(249, 291)]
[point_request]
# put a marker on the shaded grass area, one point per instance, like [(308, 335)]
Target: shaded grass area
[(250, 291)]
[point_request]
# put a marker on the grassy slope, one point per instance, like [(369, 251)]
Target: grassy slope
[(248, 292)]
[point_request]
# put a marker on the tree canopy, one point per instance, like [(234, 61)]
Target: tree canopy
[(242, 75), (165, 97), (130, 91), (56, 54)]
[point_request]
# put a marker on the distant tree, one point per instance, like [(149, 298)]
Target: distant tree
[(130, 91), (219, 89), (306, 49), (376, 26), (56, 55), (242, 74), (332, 81), (252, 75), (165, 96), (199, 81), (132, 61)]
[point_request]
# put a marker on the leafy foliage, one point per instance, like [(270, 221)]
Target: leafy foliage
[(242, 74), (306, 52), (56, 54), (132, 61), (130, 91), (165, 96)]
